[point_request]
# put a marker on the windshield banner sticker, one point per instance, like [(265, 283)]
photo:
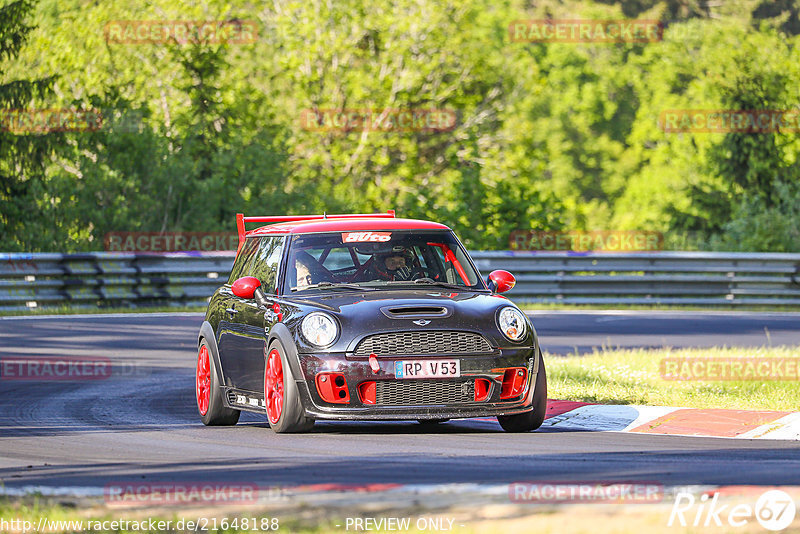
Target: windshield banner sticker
[(374, 237)]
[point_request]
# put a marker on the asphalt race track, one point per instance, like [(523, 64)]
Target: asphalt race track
[(142, 424), (566, 332)]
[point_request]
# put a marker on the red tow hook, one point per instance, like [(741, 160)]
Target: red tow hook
[(373, 363)]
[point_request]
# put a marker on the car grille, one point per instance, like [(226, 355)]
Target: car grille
[(426, 342), (423, 392)]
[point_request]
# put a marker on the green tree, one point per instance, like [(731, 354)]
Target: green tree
[(24, 154), (193, 159), (548, 135)]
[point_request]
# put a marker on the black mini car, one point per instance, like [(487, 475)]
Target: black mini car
[(364, 317)]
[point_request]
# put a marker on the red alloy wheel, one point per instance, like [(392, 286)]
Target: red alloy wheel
[(273, 386), (203, 380)]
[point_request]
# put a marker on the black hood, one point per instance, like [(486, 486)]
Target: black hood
[(392, 310)]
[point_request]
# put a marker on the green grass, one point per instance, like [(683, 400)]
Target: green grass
[(480, 519), (298, 519), (634, 377), (32, 508)]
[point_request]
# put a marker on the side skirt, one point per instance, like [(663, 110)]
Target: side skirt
[(247, 401)]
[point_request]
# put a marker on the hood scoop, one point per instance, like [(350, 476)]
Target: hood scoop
[(416, 311)]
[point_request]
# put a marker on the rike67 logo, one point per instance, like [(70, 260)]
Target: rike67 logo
[(373, 237), (774, 510)]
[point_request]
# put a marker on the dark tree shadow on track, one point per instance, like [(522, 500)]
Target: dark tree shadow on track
[(721, 466)]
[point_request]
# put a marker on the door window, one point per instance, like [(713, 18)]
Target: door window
[(266, 263), (243, 259)]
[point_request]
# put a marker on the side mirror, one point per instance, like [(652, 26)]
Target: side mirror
[(501, 281), (245, 287), (249, 287)]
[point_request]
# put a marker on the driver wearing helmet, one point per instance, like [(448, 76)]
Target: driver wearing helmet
[(394, 265)]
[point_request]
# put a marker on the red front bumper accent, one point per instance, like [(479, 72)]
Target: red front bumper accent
[(332, 387), (367, 391), (514, 380)]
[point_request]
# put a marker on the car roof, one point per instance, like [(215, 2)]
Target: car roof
[(346, 225)]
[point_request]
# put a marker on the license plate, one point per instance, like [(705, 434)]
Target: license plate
[(427, 369)]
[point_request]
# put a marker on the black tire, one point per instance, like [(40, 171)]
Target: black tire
[(525, 422), (217, 413), (292, 415)]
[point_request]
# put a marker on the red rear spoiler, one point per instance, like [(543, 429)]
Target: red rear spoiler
[(241, 220)]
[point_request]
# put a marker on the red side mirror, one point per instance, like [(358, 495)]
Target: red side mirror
[(245, 286), (501, 280)]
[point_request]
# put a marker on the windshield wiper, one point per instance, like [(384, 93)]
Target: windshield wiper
[(322, 285), (432, 282), (428, 282)]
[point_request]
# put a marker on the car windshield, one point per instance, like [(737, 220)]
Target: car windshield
[(376, 259)]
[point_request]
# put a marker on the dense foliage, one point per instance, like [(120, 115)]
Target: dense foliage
[(548, 136)]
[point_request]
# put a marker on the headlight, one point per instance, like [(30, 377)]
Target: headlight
[(512, 323), (319, 329)]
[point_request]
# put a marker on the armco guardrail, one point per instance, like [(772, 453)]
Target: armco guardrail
[(107, 279), (690, 278)]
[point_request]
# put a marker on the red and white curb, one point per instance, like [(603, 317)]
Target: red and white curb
[(722, 423)]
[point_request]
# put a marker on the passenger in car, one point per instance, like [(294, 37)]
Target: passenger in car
[(303, 274), (308, 270)]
